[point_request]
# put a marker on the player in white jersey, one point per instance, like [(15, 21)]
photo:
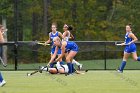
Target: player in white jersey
[(66, 36), (61, 69)]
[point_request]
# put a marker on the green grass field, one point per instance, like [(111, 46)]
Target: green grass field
[(87, 64), (90, 82)]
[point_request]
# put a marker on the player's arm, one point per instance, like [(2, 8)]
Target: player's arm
[(53, 56), (62, 50), (1, 37), (71, 36), (60, 35), (122, 44), (64, 35), (133, 37), (49, 40)]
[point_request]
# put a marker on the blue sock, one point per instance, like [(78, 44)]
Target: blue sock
[(122, 65), (138, 59), (73, 68), (1, 79), (62, 63), (51, 65), (70, 67)]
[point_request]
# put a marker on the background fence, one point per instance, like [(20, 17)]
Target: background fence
[(92, 20), (94, 55)]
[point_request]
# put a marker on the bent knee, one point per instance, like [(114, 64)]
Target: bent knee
[(135, 59), (67, 59)]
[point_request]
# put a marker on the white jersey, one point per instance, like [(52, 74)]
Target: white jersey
[(66, 38), (58, 66)]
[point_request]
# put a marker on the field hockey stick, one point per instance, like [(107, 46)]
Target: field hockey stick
[(34, 72), (120, 44), (44, 44), (38, 43), (79, 72), (4, 64)]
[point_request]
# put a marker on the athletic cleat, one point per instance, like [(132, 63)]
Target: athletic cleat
[(80, 67), (2, 83), (119, 71), (68, 74)]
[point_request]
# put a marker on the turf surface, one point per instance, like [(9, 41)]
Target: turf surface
[(87, 64), (90, 82)]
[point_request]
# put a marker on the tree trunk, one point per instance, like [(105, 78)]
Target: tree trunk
[(46, 15), (20, 32), (74, 16), (34, 35)]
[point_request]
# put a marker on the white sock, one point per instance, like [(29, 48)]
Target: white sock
[(75, 62)]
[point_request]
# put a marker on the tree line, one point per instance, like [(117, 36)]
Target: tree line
[(92, 20)]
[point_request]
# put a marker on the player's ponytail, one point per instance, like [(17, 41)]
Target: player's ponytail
[(70, 27)]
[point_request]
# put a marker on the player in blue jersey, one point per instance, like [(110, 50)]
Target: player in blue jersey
[(66, 46), (68, 36), (52, 34), (2, 81), (130, 47)]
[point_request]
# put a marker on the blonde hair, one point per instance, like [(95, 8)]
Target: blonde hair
[(57, 39)]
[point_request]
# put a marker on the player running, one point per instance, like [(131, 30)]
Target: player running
[(66, 36), (52, 35), (130, 47), (2, 29)]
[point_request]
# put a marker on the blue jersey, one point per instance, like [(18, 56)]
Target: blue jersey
[(129, 48), (52, 36), (71, 46)]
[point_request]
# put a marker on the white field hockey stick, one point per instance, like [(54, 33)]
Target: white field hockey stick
[(39, 43), (120, 44), (4, 64)]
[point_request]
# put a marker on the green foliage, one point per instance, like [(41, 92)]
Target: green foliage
[(87, 16)]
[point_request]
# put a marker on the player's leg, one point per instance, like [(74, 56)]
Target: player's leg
[(53, 70), (69, 57), (50, 70), (134, 54), (60, 60), (77, 63), (122, 66), (62, 69), (66, 54), (135, 57), (52, 52), (2, 81)]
